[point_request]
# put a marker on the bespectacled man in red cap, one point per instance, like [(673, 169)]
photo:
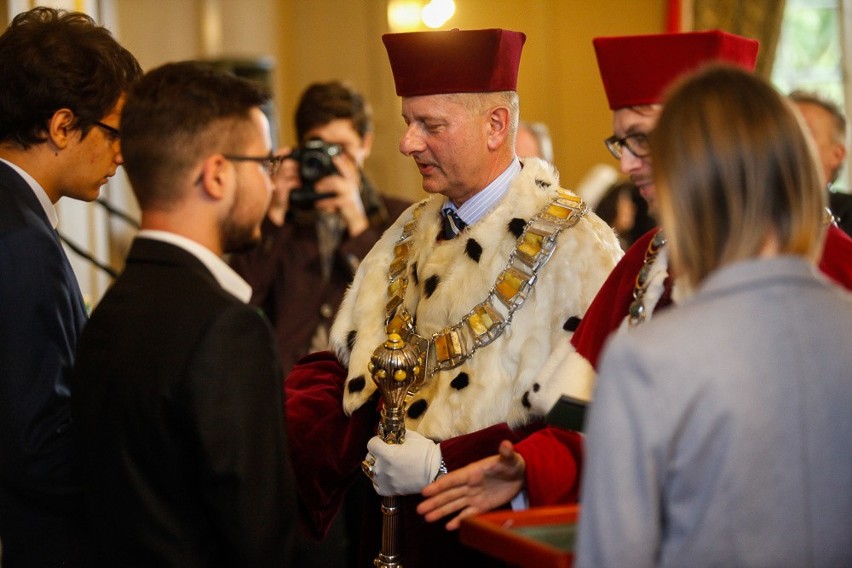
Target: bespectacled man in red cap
[(487, 276), (636, 72)]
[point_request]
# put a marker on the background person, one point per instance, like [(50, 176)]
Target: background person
[(533, 141), (747, 461), (626, 211), (64, 79), (827, 125), (178, 385)]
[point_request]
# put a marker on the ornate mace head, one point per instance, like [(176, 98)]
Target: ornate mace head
[(396, 367)]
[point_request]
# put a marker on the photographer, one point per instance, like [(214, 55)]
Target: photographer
[(325, 216)]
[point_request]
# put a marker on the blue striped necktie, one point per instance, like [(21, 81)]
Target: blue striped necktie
[(453, 224)]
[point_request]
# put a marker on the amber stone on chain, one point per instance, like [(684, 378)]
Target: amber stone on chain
[(558, 211), (447, 345), (531, 245), (396, 285), (479, 323), (442, 347), (508, 285), (398, 323)]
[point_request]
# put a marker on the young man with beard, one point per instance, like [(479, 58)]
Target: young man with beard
[(179, 399)]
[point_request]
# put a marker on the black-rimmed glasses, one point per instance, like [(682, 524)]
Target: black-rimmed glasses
[(638, 145), (114, 133), (271, 162)]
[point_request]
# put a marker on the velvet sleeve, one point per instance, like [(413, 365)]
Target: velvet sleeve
[(836, 260), (554, 459), (327, 446), (610, 305), (459, 451)]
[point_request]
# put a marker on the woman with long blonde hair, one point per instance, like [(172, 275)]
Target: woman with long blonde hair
[(719, 434)]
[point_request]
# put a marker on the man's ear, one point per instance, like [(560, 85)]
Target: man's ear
[(367, 143), (839, 152), (61, 127), (498, 127), (216, 175), (837, 155)]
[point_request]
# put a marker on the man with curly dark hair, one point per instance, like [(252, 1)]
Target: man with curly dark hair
[(64, 79)]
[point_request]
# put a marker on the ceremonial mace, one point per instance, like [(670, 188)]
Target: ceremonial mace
[(395, 367)]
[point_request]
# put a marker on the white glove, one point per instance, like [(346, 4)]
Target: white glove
[(403, 469)]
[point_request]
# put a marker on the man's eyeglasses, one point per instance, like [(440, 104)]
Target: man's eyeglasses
[(114, 133), (271, 162), (638, 145)]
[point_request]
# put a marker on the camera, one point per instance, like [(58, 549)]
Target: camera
[(315, 163)]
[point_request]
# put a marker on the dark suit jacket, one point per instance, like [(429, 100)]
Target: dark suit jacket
[(179, 402), (41, 315)]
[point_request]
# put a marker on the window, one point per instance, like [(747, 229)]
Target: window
[(810, 54)]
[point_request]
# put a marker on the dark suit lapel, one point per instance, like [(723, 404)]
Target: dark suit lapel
[(15, 185)]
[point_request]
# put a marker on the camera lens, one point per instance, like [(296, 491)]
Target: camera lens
[(315, 165), (315, 160)]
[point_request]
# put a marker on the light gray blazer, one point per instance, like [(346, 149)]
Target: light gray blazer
[(721, 431)]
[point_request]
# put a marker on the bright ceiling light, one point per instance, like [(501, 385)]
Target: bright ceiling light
[(403, 15), (410, 15), (436, 13)]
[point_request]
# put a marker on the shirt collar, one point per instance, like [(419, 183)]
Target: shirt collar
[(39, 192), (477, 206), (229, 280)]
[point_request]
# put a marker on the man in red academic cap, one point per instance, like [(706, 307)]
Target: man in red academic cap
[(491, 272), (636, 72)]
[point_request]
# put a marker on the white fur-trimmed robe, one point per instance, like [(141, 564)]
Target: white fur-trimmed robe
[(448, 278)]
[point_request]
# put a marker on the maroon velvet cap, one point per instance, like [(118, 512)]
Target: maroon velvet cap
[(455, 61), (637, 70)]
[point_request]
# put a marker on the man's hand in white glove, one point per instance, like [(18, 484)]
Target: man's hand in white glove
[(403, 469)]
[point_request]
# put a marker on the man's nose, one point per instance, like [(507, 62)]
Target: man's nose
[(629, 162), (410, 142)]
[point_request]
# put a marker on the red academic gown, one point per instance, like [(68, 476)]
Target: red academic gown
[(328, 445), (547, 455), (609, 308), (327, 448)]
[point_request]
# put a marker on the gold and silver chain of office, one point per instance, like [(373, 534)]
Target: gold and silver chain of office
[(486, 321)]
